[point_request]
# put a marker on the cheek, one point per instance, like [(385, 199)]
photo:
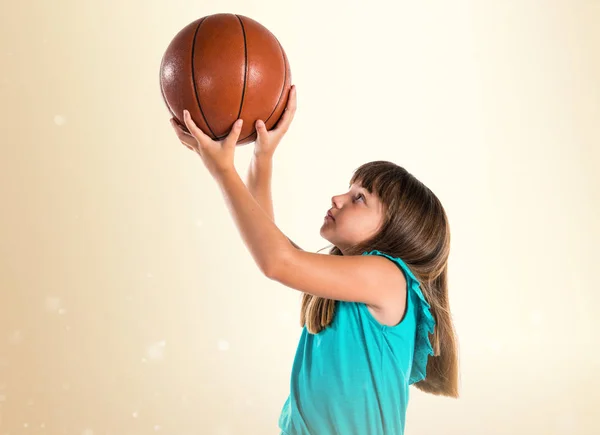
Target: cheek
[(370, 228), (361, 228)]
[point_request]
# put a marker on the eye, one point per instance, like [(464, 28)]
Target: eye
[(360, 195)]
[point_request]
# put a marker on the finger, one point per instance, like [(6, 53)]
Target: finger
[(184, 137), (288, 113), (198, 134), (178, 130), (292, 101), (175, 123), (234, 134), (189, 147), (261, 131)]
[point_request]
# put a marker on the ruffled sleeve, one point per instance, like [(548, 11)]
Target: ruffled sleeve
[(425, 322), (423, 347)]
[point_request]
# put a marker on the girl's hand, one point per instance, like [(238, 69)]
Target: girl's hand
[(218, 156), (267, 141)]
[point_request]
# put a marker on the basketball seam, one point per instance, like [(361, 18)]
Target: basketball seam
[(245, 65), (194, 79), (245, 79), (284, 80), (280, 95)]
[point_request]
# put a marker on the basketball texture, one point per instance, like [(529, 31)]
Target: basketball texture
[(224, 67)]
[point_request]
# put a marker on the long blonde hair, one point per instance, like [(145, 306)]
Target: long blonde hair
[(415, 229)]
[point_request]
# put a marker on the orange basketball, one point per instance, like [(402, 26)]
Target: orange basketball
[(224, 67)]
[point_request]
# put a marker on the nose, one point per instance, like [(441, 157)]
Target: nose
[(336, 201)]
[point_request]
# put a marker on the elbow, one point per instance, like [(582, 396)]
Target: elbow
[(269, 273), (270, 270), (273, 268)]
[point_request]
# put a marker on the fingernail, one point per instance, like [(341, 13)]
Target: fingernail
[(239, 122)]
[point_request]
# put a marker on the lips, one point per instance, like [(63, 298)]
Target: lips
[(330, 215)]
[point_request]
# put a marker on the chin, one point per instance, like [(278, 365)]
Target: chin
[(323, 233)]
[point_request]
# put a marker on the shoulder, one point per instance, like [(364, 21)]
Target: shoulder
[(394, 309), (370, 279)]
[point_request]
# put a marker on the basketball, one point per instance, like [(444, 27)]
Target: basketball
[(224, 67)]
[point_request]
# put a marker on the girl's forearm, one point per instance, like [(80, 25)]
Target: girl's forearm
[(260, 173), (264, 240)]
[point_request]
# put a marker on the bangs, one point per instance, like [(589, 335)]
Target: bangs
[(381, 178)]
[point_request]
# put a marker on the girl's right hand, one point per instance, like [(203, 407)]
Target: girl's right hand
[(267, 141)]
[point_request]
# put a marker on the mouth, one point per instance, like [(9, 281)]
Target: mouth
[(329, 215)]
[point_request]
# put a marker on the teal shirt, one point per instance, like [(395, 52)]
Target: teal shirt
[(353, 377)]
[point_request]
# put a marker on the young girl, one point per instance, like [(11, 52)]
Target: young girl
[(375, 312)]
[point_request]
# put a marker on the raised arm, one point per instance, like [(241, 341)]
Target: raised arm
[(259, 177), (260, 171)]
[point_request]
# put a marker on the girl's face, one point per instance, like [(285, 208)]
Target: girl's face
[(357, 216)]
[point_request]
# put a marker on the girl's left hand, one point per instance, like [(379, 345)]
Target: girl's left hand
[(216, 155)]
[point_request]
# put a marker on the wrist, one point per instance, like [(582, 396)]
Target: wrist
[(262, 156), (225, 174)]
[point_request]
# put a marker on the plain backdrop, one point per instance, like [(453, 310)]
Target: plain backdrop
[(129, 304)]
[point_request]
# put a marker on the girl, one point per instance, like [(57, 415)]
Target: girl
[(375, 312)]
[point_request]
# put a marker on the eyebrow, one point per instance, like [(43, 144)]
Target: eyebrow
[(368, 196), (361, 188)]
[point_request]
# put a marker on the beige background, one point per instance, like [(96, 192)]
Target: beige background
[(128, 302)]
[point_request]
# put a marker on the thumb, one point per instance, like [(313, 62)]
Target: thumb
[(261, 131), (234, 134)]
